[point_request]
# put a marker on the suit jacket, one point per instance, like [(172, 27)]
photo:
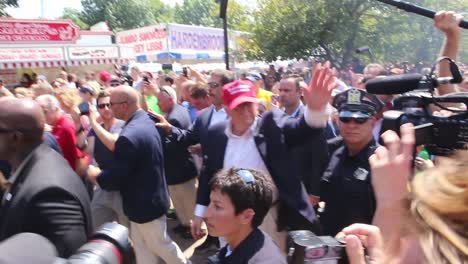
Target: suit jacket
[(47, 198), (311, 158), (138, 170), (275, 135), (179, 163), (198, 132)]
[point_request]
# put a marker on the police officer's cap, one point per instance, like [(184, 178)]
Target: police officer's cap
[(355, 103)]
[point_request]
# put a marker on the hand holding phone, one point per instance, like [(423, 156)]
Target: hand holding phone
[(84, 108)]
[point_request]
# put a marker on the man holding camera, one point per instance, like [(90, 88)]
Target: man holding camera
[(346, 185)]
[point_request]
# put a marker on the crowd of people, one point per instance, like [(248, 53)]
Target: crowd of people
[(242, 160)]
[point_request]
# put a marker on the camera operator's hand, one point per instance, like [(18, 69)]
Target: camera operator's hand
[(448, 22), (360, 236), (196, 228), (391, 166)]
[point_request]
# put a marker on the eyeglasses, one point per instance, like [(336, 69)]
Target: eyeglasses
[(359, 120), (116, 103), (114, 84), (102, 106)]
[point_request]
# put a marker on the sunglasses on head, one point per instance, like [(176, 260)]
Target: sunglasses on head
[(102, 106), (359, 120)]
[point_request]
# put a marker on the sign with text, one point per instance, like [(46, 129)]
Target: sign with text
[(31, 54), (146, 40), (196, 38), (23, 31), (81, 53)]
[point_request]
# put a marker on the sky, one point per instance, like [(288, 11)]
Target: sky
[(52, 8)]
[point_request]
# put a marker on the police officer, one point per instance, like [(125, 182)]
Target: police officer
[(346, 185)]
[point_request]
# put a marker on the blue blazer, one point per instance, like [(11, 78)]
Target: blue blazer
[(138, 170)]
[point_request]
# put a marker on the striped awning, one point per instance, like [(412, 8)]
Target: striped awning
[(61, 63)]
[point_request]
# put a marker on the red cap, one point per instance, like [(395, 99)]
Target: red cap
[(238, 92), (104, 76)]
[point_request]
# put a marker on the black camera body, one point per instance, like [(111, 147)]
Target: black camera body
[(305, 247), (440, 135)]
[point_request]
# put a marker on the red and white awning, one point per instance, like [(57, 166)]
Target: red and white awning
[(52, 64)]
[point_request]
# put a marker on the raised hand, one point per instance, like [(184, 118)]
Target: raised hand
[(391, 166), (318, 94), (448, 22)]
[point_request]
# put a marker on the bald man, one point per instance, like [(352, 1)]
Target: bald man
[(44, 195), (138, 173)]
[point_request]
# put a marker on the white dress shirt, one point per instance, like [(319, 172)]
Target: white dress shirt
[(218, 116), (242, 152)]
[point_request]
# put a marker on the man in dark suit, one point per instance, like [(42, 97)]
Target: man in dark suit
[(181, 173), (138, 173), (44, 195), (263, 144)]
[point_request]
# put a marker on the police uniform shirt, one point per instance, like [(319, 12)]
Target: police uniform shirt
[(346, 189)]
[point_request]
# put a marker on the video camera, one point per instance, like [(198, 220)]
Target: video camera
[(108, 245), (305, 247), (440, 135)]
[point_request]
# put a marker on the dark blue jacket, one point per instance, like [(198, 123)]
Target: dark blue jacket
[(179, 163), (138, 170), (275, 135)]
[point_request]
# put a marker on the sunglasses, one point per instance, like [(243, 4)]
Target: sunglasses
[(102, 106), (359, 120)]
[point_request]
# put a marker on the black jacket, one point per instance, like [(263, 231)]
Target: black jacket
[(178, 161), (49, 199)]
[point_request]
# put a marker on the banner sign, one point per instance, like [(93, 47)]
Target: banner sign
[(31, 54), (146, 40), (78, 53), (196, 38), (22, 31)]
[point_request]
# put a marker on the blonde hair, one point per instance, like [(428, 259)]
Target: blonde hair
[(22, 92), (439, 207), (69, 97)]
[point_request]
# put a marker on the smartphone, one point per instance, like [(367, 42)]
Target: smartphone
[(146, 78), (185, 71), (153, 117), (84, 108), (167, 67)]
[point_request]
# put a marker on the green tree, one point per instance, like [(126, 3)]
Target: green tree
[(196, 12), (120, 14), (7, 3), (334, 29), (75, 16), (206, 13)]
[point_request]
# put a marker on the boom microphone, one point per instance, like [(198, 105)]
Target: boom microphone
[(418, 10), (402, 83)]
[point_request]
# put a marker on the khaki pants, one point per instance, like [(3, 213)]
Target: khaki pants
[(183, 198), (269, 226), (152, 242), (107, 207)]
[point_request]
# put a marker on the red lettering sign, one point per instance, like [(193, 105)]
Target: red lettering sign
[(23, 31)]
